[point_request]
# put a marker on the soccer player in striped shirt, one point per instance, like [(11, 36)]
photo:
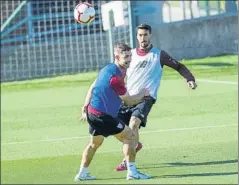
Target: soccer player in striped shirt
[(145, 71)]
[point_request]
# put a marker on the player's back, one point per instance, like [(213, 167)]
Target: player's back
[(144, 72), (104, 98)]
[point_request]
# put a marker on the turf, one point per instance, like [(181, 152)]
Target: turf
[(190, 138)]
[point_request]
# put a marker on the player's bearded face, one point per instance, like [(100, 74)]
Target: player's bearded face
[(124, 59), (143, 37)]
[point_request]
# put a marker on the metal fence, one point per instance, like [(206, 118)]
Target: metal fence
[(42, 39)]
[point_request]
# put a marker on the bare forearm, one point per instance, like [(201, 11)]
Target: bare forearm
[(89, 93), (88, 97), (131, 100)]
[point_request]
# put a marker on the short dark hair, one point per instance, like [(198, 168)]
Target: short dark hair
[(121, 47), (144, 27)]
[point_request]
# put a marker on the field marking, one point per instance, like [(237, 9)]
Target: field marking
[(217, 81), (144, 132)]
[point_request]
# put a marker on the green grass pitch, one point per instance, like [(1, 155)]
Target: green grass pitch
[(191, 136)]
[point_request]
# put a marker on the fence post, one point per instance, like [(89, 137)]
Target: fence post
[(29, 20), (184, 9), (207, 8), (219, 6), (132, 24), (111, 34)]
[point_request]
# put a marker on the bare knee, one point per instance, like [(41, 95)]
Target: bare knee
[(95, 143), (94, 146), (134, 123), (127, 134), (130, 134)]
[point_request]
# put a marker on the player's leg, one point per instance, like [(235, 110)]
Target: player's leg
[(87, 157), (128, 138), (95, 142), (134, 124), (139, 115), (90, 150), (138, 118), (125, 116)]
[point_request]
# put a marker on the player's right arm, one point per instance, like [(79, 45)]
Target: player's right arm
[(87, 102), (117, 83)]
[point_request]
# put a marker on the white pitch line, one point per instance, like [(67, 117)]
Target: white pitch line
[(46, 140), (217, 81), (144, 132), (192, 128)]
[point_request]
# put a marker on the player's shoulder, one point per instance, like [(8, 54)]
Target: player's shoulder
[(107, 68), (155, 51), (109, 65)]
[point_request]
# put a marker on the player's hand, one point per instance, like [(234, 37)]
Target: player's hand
[(192, 85), (83, 114), (145, 92)]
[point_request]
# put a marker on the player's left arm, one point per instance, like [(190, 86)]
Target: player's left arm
[(167, 60)]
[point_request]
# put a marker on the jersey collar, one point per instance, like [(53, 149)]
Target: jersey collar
[(142, 52)]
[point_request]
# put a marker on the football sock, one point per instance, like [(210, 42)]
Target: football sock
[(131, 166), (124, 158), (83, 170)]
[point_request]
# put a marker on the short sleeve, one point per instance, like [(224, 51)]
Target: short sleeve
[(117, 83)]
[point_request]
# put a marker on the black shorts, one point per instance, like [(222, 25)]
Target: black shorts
[(104, 125), (140, 110)]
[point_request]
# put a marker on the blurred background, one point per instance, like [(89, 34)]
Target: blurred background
[(41, 38)]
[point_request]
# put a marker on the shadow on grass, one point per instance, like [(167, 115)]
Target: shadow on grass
[(153, 166), (181, 164), (178, 175), (198, 175), (112, 178), (203, 163)]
